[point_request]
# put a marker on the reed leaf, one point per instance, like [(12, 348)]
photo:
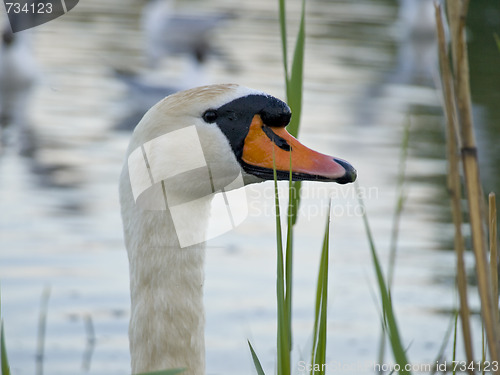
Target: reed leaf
[(3, 352), (318, 355), (284, 43), (289, 255), (294, 82), (256, 361), (396, 219), (284, 325), (294, 88), (387, 308)]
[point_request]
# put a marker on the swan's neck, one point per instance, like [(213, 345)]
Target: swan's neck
[(166, 284)]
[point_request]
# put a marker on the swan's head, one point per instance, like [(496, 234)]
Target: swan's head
[(234, 129), (199, 146)]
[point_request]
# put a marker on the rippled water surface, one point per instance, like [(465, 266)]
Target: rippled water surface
[(366, 76)]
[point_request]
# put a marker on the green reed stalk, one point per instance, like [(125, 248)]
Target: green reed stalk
[(289, 254), (389, 317), (446, 339), (284, 318), (318, 355), (293, 86), (396, 219)]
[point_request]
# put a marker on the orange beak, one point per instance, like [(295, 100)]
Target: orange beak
[(262, 143)]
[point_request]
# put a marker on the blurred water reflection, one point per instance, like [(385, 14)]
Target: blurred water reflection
[(366, 75)]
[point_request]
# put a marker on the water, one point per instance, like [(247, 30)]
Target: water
[(364, 80)]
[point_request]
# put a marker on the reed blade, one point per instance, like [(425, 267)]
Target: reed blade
[(318, 356), (256, 361), (3, 352), (387, 308)]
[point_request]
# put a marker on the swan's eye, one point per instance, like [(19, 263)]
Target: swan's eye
[(210, 116)]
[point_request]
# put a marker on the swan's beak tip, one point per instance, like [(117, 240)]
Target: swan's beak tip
[(350, 172)]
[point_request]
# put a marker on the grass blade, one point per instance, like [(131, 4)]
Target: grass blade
[(389, 317), (289, 255), (3, 352), (294, 88), (396, 218), (256, 361), (320, 317), (283, 339), (293, 84), (444, 344), (282, 12)]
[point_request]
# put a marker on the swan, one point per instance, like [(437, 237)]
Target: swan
[(190, 144)]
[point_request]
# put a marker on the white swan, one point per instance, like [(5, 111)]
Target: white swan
[(235, 130)]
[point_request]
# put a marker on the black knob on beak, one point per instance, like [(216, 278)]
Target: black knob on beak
[(276, 114)]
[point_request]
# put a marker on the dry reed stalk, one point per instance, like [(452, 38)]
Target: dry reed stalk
[(457, 11), (493, 250), (453, 183)]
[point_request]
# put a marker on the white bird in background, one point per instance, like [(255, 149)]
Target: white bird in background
[(415, 31), (18, 73), (187, 35), (171, 32), (188, 146)]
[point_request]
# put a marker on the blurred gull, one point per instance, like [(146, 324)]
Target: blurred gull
[(188, 36), (18, 73), (168, 31), (412, 75), (145, 89), (416, 34)]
